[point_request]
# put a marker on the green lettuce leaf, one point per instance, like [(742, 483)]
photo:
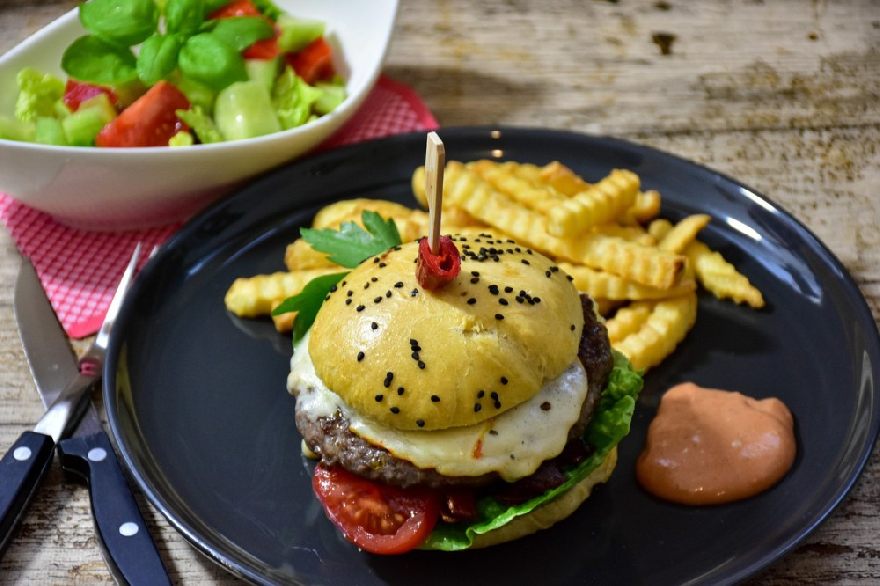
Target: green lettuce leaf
[(37, 94), (609, 425)]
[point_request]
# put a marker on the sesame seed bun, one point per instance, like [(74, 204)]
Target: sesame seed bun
[(486, 342), (552, 512)]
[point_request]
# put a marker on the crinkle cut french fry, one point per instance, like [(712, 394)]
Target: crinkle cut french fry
[(332, 215), (563, 179), (284, 322), (504, 178), (720, 277), (253, 296), (667, 325), (600, 203), (659, 228), (603, 285), (683, 233), (646, 207), (635, 234), (648, 266), (299, 255), (627, 320)]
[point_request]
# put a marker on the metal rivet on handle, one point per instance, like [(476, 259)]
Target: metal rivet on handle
[(97, 454), (128, 529), (21, 453)]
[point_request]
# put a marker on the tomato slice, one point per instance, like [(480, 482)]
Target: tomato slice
[(77, 92), (236, 8), (150, 121), (314, 62), (265, 49), (376, 517)]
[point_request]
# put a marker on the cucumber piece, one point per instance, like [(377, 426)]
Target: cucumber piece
[(49, 131), (263, 71), (329, 99), (296, 33), (244, 110), (82, 126), (14, 129), (182, 138)]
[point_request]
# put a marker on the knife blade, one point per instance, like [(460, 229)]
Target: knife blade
[(122, 533)]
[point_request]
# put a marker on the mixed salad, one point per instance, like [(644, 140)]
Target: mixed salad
[(178, 73)]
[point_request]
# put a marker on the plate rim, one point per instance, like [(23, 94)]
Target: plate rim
[(478, 132)]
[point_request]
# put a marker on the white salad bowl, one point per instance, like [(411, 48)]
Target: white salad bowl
[(123, 188)]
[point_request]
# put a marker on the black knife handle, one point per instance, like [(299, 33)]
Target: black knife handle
[(21, 470), (122, 533)]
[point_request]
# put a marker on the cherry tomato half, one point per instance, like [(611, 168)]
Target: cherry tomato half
[(378, 518), (150, 121), (77, 92), (314, 62), (236, 8)]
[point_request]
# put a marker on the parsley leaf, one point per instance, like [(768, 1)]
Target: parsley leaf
[(308, 302), (351, 245)]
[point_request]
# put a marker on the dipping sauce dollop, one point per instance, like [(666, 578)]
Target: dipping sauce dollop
[(709, 446)]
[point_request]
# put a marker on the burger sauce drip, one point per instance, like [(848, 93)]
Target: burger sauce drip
[(708, 446), (434, 271)]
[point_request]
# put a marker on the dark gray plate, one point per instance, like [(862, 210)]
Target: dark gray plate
[(197, 402)]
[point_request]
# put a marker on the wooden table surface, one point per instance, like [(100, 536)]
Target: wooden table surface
[(783, 95)]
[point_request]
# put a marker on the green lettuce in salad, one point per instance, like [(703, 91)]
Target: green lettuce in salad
[(609, 425)]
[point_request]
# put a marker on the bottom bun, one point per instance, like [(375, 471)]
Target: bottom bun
[(548, 514)]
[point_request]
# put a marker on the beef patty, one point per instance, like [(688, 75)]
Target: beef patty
[(332, 440)]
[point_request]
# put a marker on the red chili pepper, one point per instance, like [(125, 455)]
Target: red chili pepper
[(434, 271)]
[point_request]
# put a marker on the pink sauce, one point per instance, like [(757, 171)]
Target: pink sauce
[(708, 446)]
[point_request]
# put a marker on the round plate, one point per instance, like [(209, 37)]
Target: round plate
[(197, 403)]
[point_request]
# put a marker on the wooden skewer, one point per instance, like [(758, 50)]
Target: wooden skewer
[(435, 162)]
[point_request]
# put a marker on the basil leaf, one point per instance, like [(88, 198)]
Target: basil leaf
[(351, 245), (158, 58), (308, 302), (184, 17), (241, 32), (122, 22), (92, 59), (207, 59), (214, 5)]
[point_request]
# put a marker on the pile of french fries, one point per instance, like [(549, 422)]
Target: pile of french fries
[(641, 270)]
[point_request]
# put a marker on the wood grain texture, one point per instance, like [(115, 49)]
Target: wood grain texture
[(783, 95)]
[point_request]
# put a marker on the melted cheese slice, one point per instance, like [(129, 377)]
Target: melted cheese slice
[(513, 444)]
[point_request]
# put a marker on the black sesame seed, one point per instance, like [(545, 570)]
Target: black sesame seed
[(374, 279), (493, 289), (420, 422), (377, 299), (475, 280), (520, 300), (395, 410), (475, 273), (529, 251), (366, 285), (477, 407), (388, 378), (379, 398), (414, 292), (360, 308), (554, 268), (398, 284), (503, 380), (572, 327), (493, 432), (375, 259), (547, 274), (374, 325), (421, 365), (388, 294), (499, 316), (502, 301), (343, 283), (333, 289), (481, 394), (350, 293), (545, 406), (570, 278), (471, 301), (435, 399), (400, 390), (327, 297), (494, 395), (524, 261), (415, 355), (413, 342), (497, 404), (360, 356), (348, 301), (537, 299), (382, 265), (508, 289)]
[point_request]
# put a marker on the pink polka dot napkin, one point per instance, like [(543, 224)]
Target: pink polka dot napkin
[(79, 269)]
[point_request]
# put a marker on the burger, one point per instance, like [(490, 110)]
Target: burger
[(459, 416)]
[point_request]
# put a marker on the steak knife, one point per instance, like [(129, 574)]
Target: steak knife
[(121, 531)]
